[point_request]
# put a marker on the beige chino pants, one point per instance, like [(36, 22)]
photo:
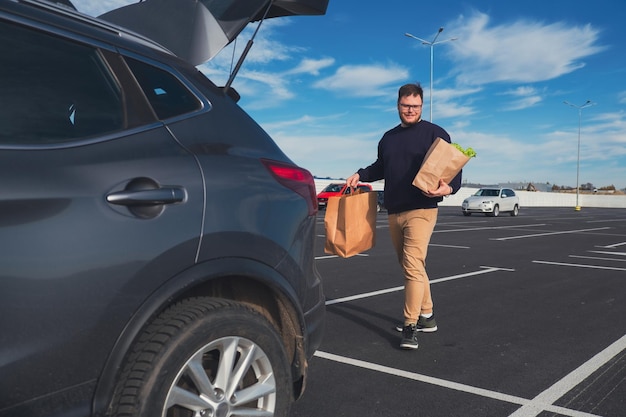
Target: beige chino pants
[(410, 233)]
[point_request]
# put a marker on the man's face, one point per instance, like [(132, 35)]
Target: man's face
[(410, 110)]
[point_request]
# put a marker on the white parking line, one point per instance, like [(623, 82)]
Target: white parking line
[(530, 408), (533, 404), (612, 246), (606, 220), (487, 269), (608, 252), (544, 402), (545, 399), (552, 233), (336, 256), (597, 258), (317, 258), (473, 229), (449, 246), (611, 268), (364, 295)]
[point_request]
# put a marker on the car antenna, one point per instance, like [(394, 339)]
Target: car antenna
[(233, 74)]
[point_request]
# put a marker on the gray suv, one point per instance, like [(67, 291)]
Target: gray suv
[(156, 245)]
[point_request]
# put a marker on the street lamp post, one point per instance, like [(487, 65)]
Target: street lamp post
[(580, 111), (432, 45)]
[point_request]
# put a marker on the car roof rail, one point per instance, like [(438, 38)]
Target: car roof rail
[(67, 9)]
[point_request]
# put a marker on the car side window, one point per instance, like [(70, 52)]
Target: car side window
[(53, 90), (167, 95)]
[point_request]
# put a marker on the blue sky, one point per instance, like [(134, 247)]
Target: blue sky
[(325, 86)]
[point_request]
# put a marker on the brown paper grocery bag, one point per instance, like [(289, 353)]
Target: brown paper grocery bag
[(442, 161), (350, 223)]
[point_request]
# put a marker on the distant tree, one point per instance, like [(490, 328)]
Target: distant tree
[(608, 188)]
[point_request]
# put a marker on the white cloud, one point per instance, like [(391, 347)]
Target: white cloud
[(551, 156), (522, 91), (525, 97), (521, 51), (364, 80), (266, 48), (523, 103), (259, 79), (451, 102), (336, 155), (278, 86), (311, 66), (303, 121)]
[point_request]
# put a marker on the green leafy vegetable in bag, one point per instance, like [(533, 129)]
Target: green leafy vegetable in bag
[(469, 152)]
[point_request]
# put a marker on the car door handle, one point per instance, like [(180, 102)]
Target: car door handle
[(158, 196)]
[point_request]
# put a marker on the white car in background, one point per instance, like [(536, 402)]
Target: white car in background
[(491, 202)]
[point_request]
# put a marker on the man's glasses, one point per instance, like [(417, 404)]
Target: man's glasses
[(410, 106)]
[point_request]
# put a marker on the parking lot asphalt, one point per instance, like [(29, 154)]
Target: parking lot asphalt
[(531, 313)]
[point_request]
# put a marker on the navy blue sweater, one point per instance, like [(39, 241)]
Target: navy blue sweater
[(400, 154)]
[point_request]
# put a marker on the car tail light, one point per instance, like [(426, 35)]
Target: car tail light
[(295, 178)]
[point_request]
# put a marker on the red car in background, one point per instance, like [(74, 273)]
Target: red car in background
[(336, 189)]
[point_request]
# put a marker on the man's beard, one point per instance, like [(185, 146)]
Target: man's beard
[(407, 123)]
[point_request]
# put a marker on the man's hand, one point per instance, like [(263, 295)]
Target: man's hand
[(353, 180), (443, 190)]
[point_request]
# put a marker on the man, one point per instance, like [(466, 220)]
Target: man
[(412, 213)]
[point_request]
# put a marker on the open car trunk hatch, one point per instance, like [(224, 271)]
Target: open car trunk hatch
[(197, 30)]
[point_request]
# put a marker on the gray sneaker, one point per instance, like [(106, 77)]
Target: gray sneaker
[(423, 325), (409, 337)]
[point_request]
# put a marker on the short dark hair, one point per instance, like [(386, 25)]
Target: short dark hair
[(413, 89)]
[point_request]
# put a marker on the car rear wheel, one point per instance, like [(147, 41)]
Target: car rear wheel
[(515, 211), (206, 357)]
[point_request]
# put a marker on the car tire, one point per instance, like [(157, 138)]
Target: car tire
[(496, 211), (515, 211), (205, 356)]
